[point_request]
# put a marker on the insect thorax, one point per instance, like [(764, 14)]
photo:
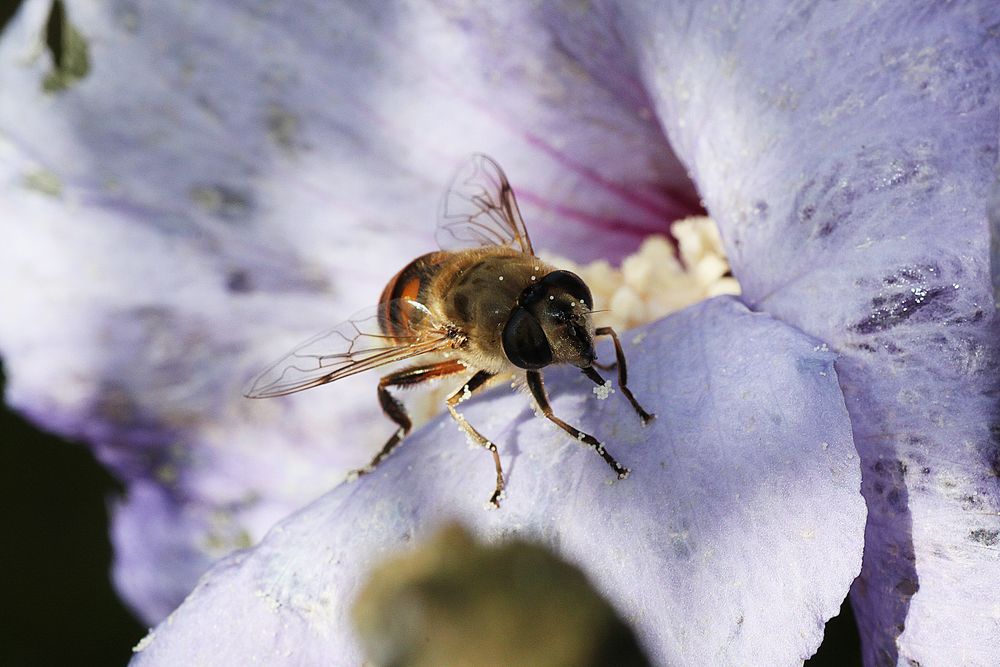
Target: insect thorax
[(480, 288)]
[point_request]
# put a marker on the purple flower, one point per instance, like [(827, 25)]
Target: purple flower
[(225, 180)]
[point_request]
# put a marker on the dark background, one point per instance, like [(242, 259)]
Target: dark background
[(57, 606)]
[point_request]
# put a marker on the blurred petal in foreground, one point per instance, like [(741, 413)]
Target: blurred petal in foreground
[(452, 601)]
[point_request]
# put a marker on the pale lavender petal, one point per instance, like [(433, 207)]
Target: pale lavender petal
[(994, 215), (733, 540), (848, 152), (229, 178)]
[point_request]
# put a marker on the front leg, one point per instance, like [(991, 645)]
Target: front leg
[(537, 388), (622, 375)]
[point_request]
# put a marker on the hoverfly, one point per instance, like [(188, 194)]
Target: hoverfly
[(484, 300)]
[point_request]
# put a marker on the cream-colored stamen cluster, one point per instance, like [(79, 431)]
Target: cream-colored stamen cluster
[(653, 282), (648, 285)]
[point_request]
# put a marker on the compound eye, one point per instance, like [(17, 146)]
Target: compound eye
[(569, 282), (524, 342)]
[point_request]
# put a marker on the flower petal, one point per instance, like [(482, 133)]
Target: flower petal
[(749, 463), (847, 154), (222, 180)]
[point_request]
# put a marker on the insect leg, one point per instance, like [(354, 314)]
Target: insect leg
[(394, 409), (459, 395), (538, 391), (594, 375), (623, 374)]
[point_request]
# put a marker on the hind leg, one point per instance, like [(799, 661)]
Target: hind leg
[(395, 410)]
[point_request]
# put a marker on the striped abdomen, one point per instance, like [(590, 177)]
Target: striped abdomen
[(411, 284)]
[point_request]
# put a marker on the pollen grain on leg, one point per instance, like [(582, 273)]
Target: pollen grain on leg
[(604, 390)]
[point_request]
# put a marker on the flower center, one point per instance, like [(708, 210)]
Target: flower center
[(653, 282)]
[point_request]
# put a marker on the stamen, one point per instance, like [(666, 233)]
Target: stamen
[(653, 282)]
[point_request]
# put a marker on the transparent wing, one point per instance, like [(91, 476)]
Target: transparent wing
[(479, 209), (375, 337)]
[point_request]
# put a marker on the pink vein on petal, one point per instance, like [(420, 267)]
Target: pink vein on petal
[(629, 195), (601, 222), (453, 91)]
